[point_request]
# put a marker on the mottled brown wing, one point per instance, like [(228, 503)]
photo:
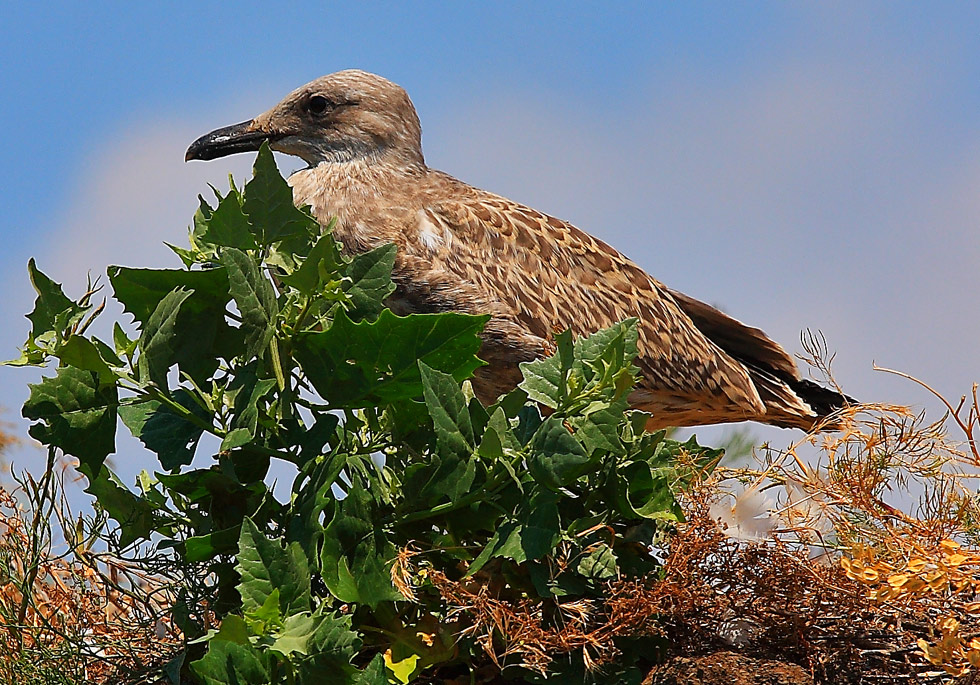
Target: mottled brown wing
[(553, 276), (745, 343)]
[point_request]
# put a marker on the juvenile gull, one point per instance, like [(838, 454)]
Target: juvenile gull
[(466, 250)]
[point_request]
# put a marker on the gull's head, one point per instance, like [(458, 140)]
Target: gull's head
[(347, 116)]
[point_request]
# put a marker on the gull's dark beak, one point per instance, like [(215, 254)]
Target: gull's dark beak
[(243, 137)]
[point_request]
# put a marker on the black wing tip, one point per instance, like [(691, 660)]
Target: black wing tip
[(824, 401)]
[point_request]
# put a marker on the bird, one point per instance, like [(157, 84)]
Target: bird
[(462, 249)]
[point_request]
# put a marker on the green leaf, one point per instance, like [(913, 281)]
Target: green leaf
[(255, 298), (448, 409), (599, 564), (269, 203), (205, 547), (374, 674), (82, 353), (322, 266), (134, 514), (51, 304), (450, 471), (158, 343), (120, 341), (598, 366), (402, 669), (236, 438), (297, 631), (266, 619), (541, 529), (75, 412), (54, 318), (598, 431), (331, 647), (246, 392), (264, 565), (311, 495), (172, 437), (202, 334), (230, 663), (227, 224), (108, 354), (645, 491), (545, 380), (506, 542), (556, 458), (498, 437), (362, 364), (443, 476), (141, 290), (233, 629), (370, 273), (356, 557)]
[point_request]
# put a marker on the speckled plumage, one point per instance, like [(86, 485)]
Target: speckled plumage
[(465, 249)]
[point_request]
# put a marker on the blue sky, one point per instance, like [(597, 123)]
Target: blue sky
[(801, 165)]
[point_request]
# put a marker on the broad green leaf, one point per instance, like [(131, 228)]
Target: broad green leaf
[(158, 343), (331, 647), (437, 478), (227, 225), (645, 491), (75, 412), (599, 365), (599, 564), (356, 557), (311, 493), (255, 298), (83, 354), (498, 438), (319, 268), (360, 364), (599, 430), (236, 438), (229, 663), (246, 392), (199, 548), (134, 514), (233, 629), (264, 565), (618, 340), (51, 305), (124, 347), (370, 273), (202, 334), (269, 203), (141, 290), (556, 458), (506, 542), (266, 619), (541, 528), (448, 409), (545, 380), (172, 437), (374, 674), (107, 353), (188, 257), (297, 631)]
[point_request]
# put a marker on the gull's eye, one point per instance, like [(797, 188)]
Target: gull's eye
[(318, 105)]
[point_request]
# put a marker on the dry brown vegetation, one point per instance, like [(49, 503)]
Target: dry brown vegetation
[(79, 615), (852, 554)]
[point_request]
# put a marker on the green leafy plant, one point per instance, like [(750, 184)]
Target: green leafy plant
[(276, 343)]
